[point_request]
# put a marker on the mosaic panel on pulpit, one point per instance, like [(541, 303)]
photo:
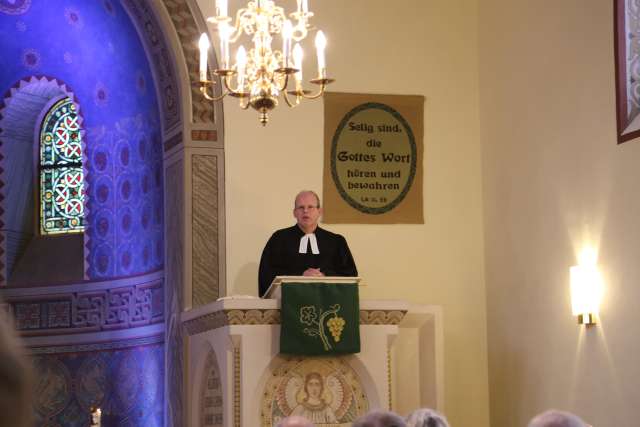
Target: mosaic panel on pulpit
[(326, 391)]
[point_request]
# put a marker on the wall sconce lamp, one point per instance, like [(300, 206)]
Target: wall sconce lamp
[(586, 289)]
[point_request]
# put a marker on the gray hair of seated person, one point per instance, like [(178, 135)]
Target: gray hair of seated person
[(380, 419), (555, 418), (15, 378), (426, 417), (295, 421)]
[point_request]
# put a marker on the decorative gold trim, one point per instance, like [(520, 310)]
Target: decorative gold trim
[(253, 317), (389, 378), (219, 319), (208, 322), (236, 387), (381, 317)]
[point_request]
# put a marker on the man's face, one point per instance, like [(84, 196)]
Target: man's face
[(306, 212)]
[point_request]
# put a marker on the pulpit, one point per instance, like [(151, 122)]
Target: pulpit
[(236, 376)]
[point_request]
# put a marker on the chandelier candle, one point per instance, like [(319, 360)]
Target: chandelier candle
[(221, 6), (321, 44), (260, 75), (203, 44)]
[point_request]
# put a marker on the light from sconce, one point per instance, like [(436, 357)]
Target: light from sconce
[(586, 289)]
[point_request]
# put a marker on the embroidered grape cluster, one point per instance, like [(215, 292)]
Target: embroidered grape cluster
[(336, 325)]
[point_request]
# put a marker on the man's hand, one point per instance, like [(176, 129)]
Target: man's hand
[(315, 272)]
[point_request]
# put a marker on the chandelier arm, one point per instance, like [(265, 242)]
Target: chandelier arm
[(279, 12), (288, 101), (210, 97), (227, 84), (244, 106), (316, 95), (237, 32), (284, 84)]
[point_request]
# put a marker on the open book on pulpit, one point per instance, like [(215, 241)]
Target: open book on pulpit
[(319, 315)]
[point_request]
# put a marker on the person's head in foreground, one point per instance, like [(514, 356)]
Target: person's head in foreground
[(555, 418), (15, 379), (295, 421), (380, 419), (426, 417)]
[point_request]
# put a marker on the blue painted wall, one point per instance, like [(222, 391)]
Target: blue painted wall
[(93, 47), (126, 384)]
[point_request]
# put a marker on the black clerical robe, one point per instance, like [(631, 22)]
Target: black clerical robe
[(280, 256)]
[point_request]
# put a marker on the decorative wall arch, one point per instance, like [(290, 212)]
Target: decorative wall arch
[(20, 110), (210, 396), (191, 127)]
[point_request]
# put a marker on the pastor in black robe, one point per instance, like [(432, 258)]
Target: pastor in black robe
[(280, 256)]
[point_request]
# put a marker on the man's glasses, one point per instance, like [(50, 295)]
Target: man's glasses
[(303, 208)]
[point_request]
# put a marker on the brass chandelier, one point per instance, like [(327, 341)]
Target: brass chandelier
[(260, 75)]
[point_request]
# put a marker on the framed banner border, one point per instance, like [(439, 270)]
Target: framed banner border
[(414, 160)]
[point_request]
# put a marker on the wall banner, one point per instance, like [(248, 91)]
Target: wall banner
[(373, 158)]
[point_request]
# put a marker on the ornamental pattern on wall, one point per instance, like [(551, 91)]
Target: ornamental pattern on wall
[(126, 384), (118, 308)]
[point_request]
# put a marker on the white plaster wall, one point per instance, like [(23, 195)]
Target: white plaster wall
[(555, 180), (405, 47)]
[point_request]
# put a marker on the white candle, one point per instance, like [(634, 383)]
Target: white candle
[(223, 29), (203, 44), (299, 6), (297, 63), (321, 44), (241, 61), (305, 6), (287, 32), (222, 7)]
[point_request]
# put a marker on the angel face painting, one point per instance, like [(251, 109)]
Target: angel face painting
[(324, 390), (314, 406)]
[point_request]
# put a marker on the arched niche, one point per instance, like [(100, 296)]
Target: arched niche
[(60, 259)]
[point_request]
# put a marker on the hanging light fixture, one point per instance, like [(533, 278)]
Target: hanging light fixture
[(261, 74)]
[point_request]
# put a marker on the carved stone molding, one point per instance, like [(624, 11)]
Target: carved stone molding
[(187, 30), (161, 60), (381, 317), (254, 317), (219, 319), (92, 310), (103, 346)]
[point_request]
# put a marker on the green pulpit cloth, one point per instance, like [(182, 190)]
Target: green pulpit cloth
[(319, 319)]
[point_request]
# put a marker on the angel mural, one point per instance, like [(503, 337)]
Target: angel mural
[(313, 401), (324, 390)]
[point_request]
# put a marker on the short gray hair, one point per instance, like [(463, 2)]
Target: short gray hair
[(555, 418), (304, 192), (426, 417), (380, 419)]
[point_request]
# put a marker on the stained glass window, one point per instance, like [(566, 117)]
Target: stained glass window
[(61, 176)]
